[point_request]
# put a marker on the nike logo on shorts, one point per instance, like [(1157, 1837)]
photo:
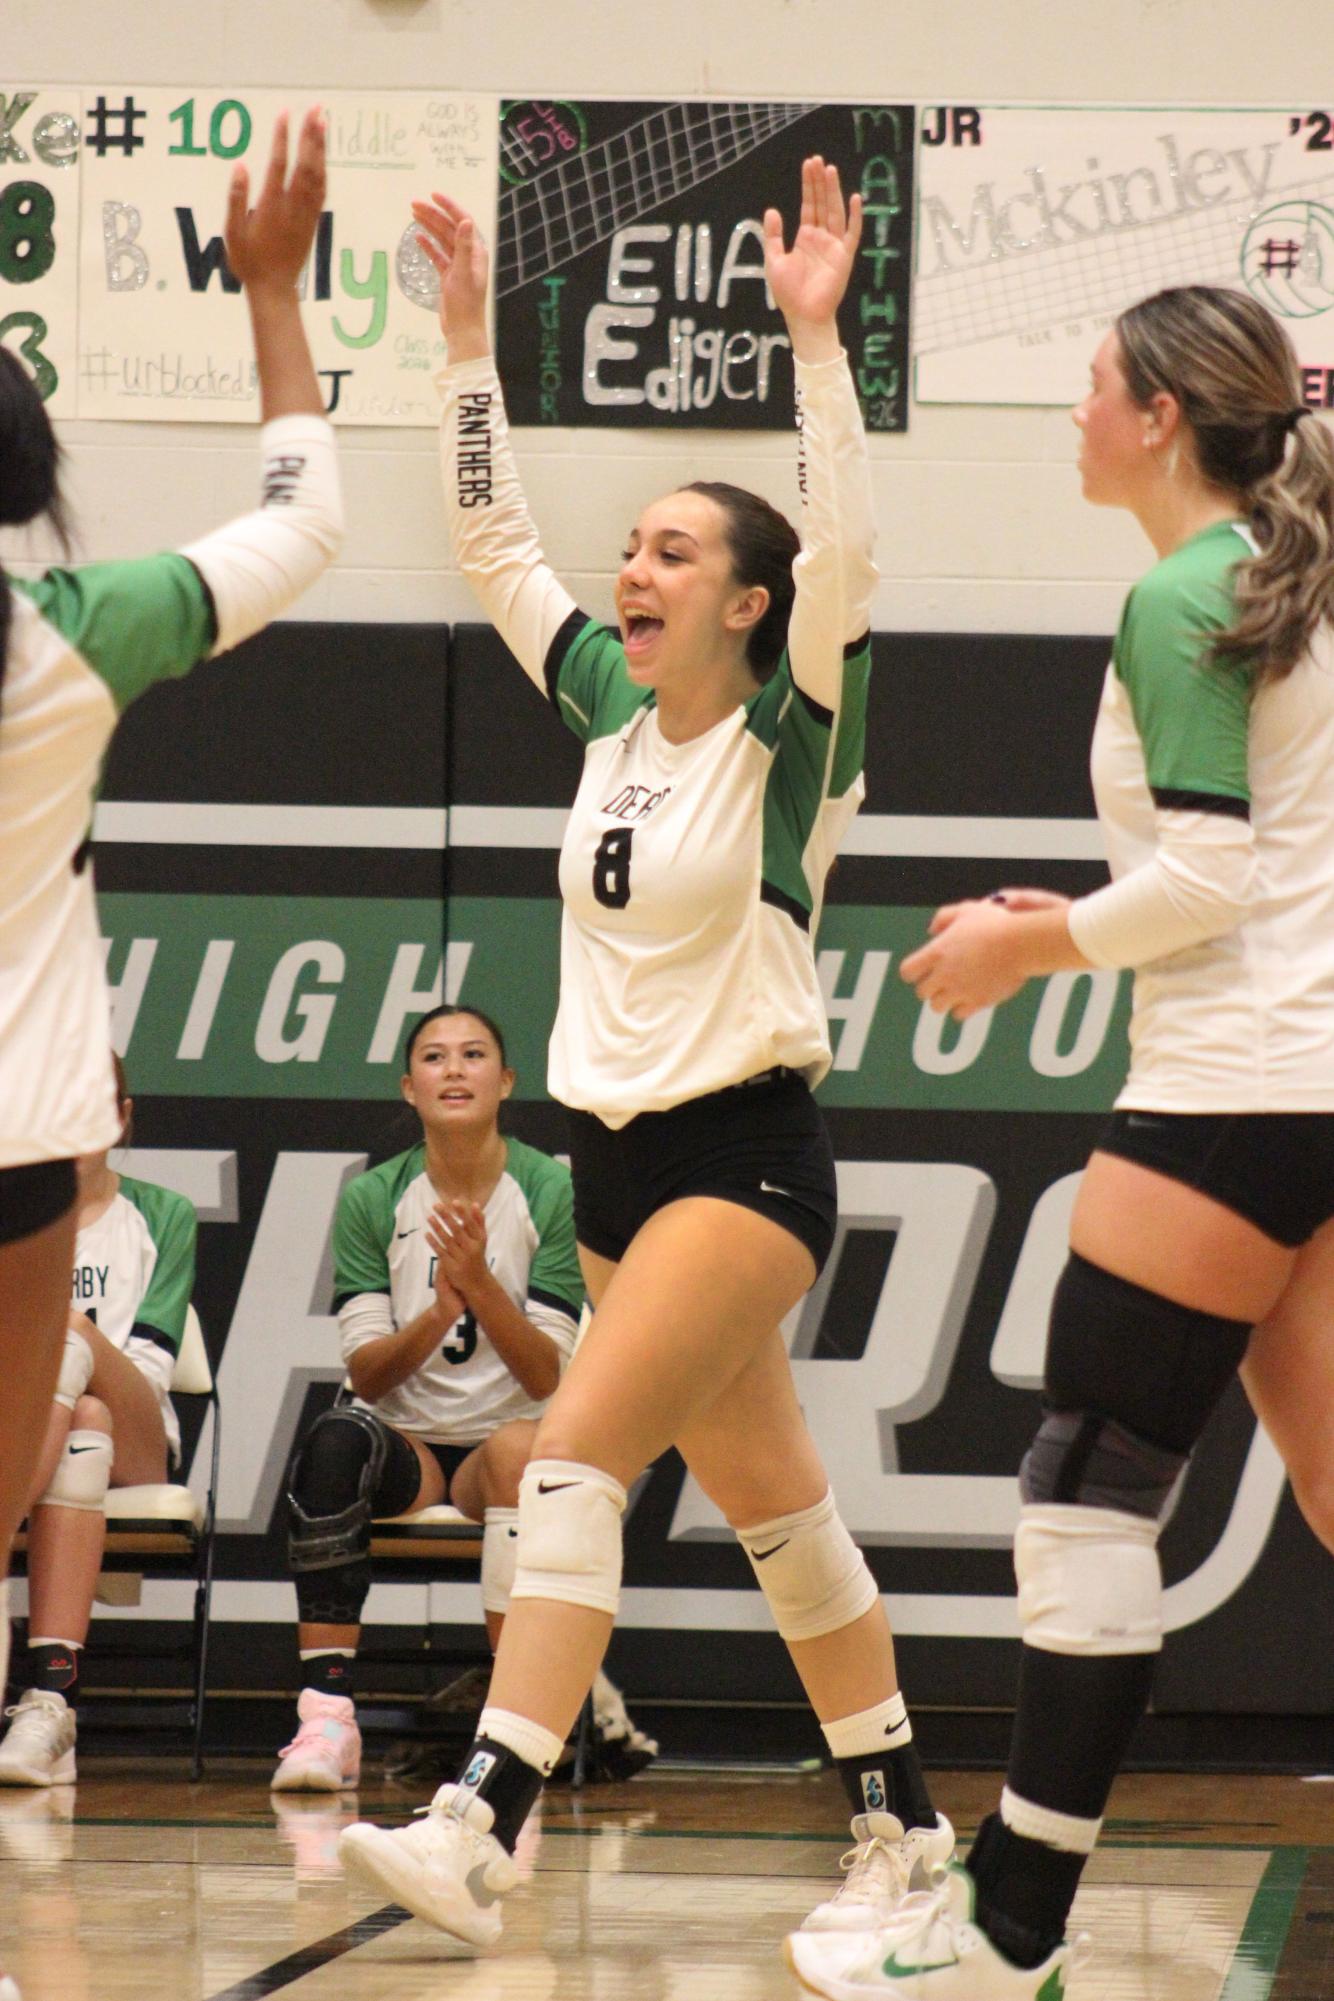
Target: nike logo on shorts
[(767, 1188)]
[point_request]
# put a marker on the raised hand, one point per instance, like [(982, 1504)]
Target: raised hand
[(809, 280), (268, 244), (453, 242)]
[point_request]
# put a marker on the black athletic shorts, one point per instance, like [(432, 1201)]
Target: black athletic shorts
[(32, 1198), (400, 1481), (762, 1144), (1274, 1168)]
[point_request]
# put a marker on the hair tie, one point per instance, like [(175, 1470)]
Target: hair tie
[(1294, 417)]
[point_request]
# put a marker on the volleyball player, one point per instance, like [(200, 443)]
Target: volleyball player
[(76, 646), (723, 724), (112, 1425), (1207, 1209), (458, 1292)]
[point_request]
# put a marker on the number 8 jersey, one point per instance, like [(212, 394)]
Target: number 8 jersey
[(692, 874)]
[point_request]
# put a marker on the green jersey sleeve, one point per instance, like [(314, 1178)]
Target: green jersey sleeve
[(1192, 712), (134, 623), (174, 1228), (363, 1229), (587, 681), (818, 755), (554, 1276)]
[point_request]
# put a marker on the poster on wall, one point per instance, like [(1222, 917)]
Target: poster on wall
[(160, 335), (629, 277), (1035, 227), (39, 240)]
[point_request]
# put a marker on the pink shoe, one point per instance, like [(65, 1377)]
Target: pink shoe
[(325, 1754)]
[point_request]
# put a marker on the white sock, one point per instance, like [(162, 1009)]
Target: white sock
[(530, 1741), (883, 1728)]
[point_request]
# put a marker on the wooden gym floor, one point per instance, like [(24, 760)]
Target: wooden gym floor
[(138, 1886)]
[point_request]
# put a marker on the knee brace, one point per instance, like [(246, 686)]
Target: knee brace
[(500, 1555), (82, 1475), (1130, 1355), (569, 1544), (810, 1570), (76, 1368), (1089, 1580), (330, 1500)]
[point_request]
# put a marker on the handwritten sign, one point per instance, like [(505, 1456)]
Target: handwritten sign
[(630, 283), (1038, 226), (39, 221)]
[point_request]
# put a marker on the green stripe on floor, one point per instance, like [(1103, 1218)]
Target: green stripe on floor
[(1260, 1947)]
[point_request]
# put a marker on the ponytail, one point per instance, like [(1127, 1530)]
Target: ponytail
[(1232, 370)]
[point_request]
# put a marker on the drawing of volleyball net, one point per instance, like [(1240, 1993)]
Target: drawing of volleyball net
[(546, 221), (1043, 288)]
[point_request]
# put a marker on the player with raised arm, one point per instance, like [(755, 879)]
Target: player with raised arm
[(1203, 1235), (76, 646), (723, 724)]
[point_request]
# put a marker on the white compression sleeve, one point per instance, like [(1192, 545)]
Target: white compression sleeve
[(490, 529), (364, 1317), (260, 563), (835, 575), (1197, 886)]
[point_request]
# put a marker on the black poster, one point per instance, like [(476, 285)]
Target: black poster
[(630, 259)]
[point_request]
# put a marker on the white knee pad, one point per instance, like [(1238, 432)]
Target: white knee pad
[(500, 1554), (570, 1535), (76, 1368), (810, 1570), (82, 1475), (1089, 1580)]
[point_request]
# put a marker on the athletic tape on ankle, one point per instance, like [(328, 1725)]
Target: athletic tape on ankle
[(76, 1368), (533, 1742), (570, 1535), (82, 1475), (1089, 1580), (500, 1556), (883, 1728), (1043, 1823), (810, 1570)]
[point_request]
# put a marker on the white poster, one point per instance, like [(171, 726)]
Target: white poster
[(163, 329), (1035, 227), (39, 234)]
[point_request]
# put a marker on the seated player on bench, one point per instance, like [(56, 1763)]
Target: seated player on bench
[(458, 1292), (112, 1424)]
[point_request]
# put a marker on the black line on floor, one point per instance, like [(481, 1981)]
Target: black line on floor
[(284, 1971)]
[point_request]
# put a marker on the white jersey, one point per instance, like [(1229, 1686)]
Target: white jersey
[(1243, 1020), (134, 1271), (384, 1278), (82, 645), (692, 874)]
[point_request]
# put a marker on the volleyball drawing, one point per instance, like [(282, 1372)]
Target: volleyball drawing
[(1287, 259)]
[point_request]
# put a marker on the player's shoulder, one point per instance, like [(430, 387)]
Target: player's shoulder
[(1200, 571), (161, 1208), (539, 1178), (383, 1186)]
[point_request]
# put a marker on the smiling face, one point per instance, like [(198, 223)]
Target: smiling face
[(1117, 437), (456, 1080), (678, 601)]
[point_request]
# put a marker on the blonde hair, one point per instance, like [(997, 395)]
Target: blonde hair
[(1234, 375)]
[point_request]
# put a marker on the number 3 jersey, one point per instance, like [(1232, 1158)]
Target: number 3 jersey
[(692, 874), (384, 1277), (134, 1271)]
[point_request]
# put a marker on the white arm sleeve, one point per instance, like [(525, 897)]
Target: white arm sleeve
[(494, 541), (256, 566), (835, 575), (363, 1318), (1198, 886), (562, 1328)]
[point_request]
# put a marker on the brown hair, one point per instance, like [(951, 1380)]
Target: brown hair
[(763, 546), (1234, 375)]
